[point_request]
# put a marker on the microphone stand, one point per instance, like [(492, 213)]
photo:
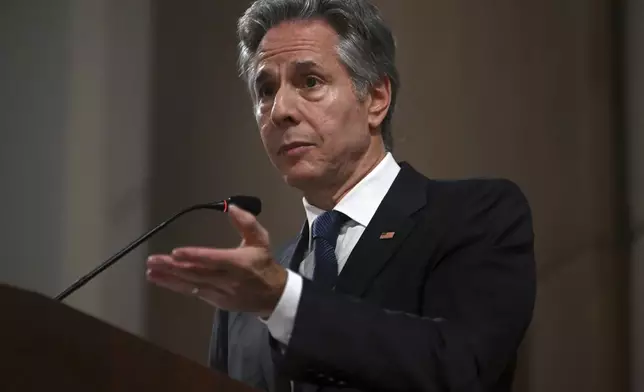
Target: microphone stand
[(220, 206)]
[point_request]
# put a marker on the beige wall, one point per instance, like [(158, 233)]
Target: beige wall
[(31, 126), (106, 143), (74, 126)]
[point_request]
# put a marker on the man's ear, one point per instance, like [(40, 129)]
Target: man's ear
[(379, 101)]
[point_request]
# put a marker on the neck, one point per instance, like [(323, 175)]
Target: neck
[(328, 196)]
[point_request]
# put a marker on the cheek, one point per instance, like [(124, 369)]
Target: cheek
[(341, 124), (263, 124), (269, 141)]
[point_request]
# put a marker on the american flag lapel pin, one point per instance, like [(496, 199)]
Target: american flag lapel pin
[(387, 235)]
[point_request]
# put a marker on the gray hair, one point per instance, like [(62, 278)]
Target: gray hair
[(367, 48)]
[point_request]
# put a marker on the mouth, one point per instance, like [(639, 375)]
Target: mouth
[(294, 148)]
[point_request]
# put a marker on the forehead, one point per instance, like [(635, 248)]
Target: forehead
[(291, 41)]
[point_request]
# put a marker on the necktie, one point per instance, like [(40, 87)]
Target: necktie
[(325, 232)]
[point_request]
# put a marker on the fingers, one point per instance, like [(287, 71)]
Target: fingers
[(221, 259), (183, 278), (196, 273), (170, 281), (240, 278), (253, 233), (216, 268)]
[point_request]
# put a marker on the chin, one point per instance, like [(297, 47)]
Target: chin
[(301, 175)]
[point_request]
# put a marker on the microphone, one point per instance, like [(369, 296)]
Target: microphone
[(249, 203)]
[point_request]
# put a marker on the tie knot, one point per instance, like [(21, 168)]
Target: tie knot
[(328, 225)]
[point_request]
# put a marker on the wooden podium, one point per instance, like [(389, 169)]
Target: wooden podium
[(49, 346)]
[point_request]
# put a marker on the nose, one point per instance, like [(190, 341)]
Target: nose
[(284, 112)]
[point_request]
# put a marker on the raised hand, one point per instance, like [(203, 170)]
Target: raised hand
[(245, 279)]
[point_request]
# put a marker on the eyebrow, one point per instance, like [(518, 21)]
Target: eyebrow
[(304, 65), (299, 67)]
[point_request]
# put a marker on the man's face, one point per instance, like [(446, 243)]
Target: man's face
[(314, 128)]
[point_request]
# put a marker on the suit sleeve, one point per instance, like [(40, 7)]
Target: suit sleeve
[(477, 303)]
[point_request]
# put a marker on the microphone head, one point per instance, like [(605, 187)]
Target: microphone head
[(251, 204)]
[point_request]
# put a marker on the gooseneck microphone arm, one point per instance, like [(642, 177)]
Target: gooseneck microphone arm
[(249, 203)]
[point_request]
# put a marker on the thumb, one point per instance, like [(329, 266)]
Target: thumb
[(252, 232)]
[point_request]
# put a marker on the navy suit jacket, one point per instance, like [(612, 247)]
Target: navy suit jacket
[(443, 305)]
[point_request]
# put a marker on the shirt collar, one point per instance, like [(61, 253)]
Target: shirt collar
[(362, 201)]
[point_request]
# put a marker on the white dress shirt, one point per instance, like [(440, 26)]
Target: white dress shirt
[(360, 205)]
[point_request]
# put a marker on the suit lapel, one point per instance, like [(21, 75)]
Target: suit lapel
[(393, 222)]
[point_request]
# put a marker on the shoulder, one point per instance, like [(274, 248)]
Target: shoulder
[(457, 202), (464, 192), (494, 206), (478, 192)]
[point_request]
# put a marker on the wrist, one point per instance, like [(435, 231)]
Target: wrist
[(276, 280)]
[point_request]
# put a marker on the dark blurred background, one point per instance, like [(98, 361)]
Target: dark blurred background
[(115, 114)]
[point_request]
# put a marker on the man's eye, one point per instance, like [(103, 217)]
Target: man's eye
[(311, 81), (265, 91)]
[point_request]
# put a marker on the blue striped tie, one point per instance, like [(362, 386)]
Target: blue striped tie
[(325, 232)]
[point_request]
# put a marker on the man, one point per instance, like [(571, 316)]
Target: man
[(396, 282)]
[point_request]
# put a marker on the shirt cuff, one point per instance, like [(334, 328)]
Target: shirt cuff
[(280, 323)]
